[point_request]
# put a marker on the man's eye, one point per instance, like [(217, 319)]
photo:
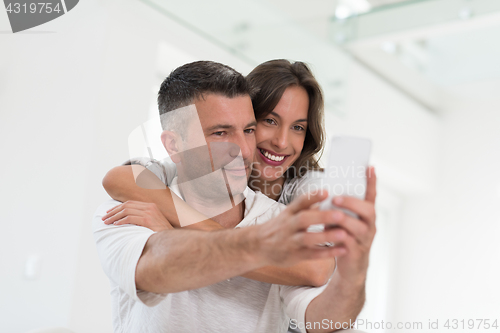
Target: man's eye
[(250, 130), (220, 133)]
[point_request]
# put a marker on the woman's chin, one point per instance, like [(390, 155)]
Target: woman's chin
[(271, 175)]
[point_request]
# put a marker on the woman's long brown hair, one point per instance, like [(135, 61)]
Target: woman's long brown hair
[(268, 81)]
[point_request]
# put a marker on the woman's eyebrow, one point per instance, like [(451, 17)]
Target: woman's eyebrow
[(275, 114), (303, 120)]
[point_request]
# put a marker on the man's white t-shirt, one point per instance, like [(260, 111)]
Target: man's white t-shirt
[(234, 305)]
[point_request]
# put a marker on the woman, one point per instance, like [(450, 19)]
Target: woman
[(288, 106)]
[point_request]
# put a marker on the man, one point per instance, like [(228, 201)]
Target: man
[(188, 280)]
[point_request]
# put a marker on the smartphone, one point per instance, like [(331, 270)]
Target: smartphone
[(345, 172)]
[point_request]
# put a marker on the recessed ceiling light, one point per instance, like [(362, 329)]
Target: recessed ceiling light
[(465, 13), (342, 12), (389, 47)]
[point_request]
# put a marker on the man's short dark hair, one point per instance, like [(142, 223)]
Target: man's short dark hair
[(189, 82)]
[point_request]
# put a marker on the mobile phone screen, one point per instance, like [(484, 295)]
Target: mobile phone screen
[(345, 173)]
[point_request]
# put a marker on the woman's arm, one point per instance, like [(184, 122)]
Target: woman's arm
[(122, 185), (134, 182)]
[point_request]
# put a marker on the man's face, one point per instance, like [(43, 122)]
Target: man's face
[(227, 128)]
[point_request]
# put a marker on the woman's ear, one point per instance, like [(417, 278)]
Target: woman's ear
[(171, 141)]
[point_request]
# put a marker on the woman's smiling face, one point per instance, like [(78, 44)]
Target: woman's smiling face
[(280, 135)]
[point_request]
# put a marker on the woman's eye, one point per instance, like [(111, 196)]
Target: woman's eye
[(270, 121), (298, 128)]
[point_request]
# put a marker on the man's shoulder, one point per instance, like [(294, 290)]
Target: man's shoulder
[(105, 206), (101, 211), (260, 208)]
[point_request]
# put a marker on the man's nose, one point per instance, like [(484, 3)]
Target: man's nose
[(234, 150), (223, 153), (245, 148)]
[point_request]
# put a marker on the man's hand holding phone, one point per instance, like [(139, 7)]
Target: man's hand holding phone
[(360, 231), (343, 298), (352, 191)]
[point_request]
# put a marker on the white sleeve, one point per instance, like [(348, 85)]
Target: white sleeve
[(165, 170), (296, 300), (312, 181), (119, 249)]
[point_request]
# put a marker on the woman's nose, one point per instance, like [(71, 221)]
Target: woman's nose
[(280, 139)]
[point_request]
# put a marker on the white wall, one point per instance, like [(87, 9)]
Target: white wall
[(49, 88), (405, 152), (68, 100), (449, 250)]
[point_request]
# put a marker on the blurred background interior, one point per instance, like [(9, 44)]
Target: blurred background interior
[(420, 78)]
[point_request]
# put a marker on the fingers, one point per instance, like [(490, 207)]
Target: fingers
[(348, 246), (131, 219), (324, 252), (312, 239), (354, 249), (307, 200), (127, 204), (371, 185), (112, 208), (142, 214), (345, 244), (364, 209), (113, 211), (124, 220), (302, 220), (122, 213), (355, 228)]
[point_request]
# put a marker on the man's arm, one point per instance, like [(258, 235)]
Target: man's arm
[(343, 298), (313, 273), (120, 184), (177, 260)]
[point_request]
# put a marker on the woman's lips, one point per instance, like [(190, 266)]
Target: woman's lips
[(270, 161)]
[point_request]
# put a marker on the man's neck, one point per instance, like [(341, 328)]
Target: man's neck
[(231, 218), (228, 212)]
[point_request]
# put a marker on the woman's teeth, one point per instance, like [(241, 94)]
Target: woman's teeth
[(272, 157)]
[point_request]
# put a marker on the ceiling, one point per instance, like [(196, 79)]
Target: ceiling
[(316, 15), (421, 46)]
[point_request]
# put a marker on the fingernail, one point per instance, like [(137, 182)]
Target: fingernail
[(338, 200)]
